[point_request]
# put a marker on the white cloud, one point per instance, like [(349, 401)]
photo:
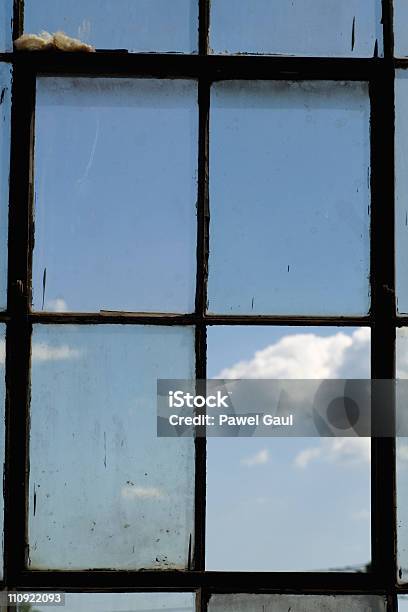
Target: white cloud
[(307, 455), (308, 355), (58, 305), (345, 451), (131, 491), (260, 458), (44, 352), (348, 450)]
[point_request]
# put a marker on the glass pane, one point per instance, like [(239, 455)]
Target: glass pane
[(119, 602), (115, 195), (401, 189), (2, 435), (290, 198), (299, 27), (402, 465), (403, 603), (5, 117), (288, 504), (105, 491), (297, 603), (400, 28), (135, 25), (6, 21)]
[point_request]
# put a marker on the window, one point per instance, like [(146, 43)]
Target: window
[(210, 193)]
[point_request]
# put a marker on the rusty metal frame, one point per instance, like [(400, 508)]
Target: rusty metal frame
[(382, 318)]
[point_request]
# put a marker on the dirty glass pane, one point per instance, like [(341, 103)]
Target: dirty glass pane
[(5, 112), (135, 25), (115, 195), (289, 198), (2, 434), (6, 25), (296, 603), (288, 504), (402, 464), (401, 189), (105, 492), (299, 27), (120, 602)]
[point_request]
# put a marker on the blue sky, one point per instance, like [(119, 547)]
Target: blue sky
[(115, 217), (97, 474), (115, 212), (299, 27), (288, 504)]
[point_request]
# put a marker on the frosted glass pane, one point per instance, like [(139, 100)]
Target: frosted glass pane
[(298, 27), (105, 492), (115, 195), (297, 603), (135, 25), (288, 504), (120, 602), (289, 198), (401, 189)]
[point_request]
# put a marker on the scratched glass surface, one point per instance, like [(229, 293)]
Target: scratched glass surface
[(120, 602), (402, 464), (299, 27), (289, 198), (2, 435), (297, 603), (401, 189), (297, 504), (105, 492), (134, 25), (115, 195), (5, 117)]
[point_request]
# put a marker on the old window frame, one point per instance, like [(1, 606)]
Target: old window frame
[(382, 318)]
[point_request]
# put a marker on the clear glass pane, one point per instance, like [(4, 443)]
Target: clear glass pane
[(400, 28), (288, 504), (6, 25), (5, 119), (401, 189), (105, 492), (290, 198), (402, 464), (297, 603), (403, 603), (115, 195), (135, 25), (299, 27), (119, 602)]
